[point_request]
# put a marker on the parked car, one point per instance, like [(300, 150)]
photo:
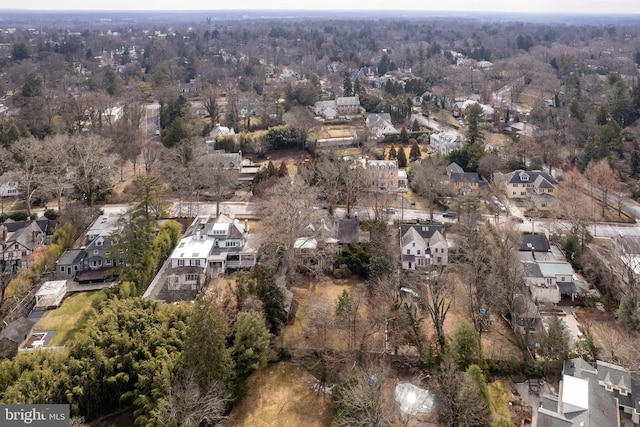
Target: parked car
[(448, 215), (411, 292), (517, 219), (390, 210)]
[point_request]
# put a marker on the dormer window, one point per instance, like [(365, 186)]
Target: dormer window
[(524, 177)]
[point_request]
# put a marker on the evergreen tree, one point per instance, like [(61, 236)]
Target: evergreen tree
[(251, 343), (473, 116), (272, 298), (466, 347), (393, 154), (404, 135), (415, 126), (402, 158), (415, 152), (347, 86), (282, 170), (205, 350)]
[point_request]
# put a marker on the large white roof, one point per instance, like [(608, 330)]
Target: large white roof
[(575, 394), (193, 247), (51, 287)]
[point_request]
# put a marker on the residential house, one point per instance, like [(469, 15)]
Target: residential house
[(453, 167), (326, 109), (624, 386), (189, 90), (383, 174), (19, 241), (521, 184), (347, 231), (92, 262), (348, 105), (69, 264), (466, 183), (459, 108), (548, 281), (13, 335), (221, 131), (445, 142), (423, 245), (379, 124), (582, 401), (9, 182), (339, 107), (210, 247)]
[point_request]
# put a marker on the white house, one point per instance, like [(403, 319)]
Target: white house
[(209, 248), (423, 245), (9, 185)]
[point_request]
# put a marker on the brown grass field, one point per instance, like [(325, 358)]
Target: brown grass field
[(282, 394)]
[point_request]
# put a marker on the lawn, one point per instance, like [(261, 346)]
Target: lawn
[(282, 394), (499, 396), (70, 316)]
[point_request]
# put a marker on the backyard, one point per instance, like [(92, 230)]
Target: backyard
[(69, 318)]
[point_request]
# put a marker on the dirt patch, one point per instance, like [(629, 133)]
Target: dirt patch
[(283, 394)]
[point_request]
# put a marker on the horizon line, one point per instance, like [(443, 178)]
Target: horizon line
[(498, 12)]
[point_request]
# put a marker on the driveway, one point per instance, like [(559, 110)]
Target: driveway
[(533, 399)]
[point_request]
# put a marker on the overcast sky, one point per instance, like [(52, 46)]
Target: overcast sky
[(525, 6)]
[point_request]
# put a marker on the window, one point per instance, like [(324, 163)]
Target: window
[(99, 243), (549, 281), (191, 277), (195, 262), (418, 251), (62, 268), (413, 244), (96, 251), (75, 268), (408, 251), (180, 263)]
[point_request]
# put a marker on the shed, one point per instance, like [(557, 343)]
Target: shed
[(51, 294)]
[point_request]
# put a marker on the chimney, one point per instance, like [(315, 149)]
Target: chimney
[(198, 235), (533, 252), (33, 235), (5, 233), (246, 225)]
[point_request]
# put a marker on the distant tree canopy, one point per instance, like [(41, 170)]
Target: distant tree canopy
[(282, 137), (19, 51)]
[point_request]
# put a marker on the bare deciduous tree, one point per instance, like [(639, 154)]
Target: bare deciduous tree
[(429, 181), (603, 179), (94, 171), (187, 405)]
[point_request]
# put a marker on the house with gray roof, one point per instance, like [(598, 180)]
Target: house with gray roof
[(423, 245), (379, 124), (18, 242), (589, 397), (339, 107), (521, 184), (13, 335), (210, 247), (92, 262), (446, 141)]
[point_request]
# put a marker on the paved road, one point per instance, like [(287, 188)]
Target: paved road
[(152, 123)]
